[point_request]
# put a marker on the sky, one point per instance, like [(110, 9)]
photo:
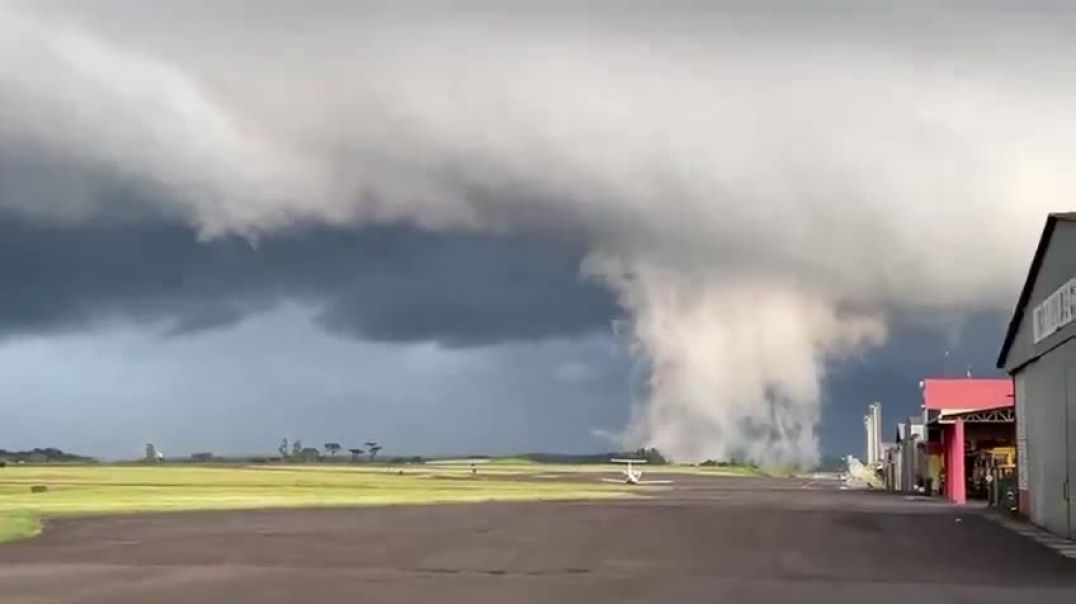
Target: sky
[(720, 229)]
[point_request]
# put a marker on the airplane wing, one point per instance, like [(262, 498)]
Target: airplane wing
[(613, 480), (457, 462), (640, 461)]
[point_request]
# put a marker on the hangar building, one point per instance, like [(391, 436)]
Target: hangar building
[(1040, 353)]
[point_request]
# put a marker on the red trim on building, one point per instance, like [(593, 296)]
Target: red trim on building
[(948, 399), (969, 394)]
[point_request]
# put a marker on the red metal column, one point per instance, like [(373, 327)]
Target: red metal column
[(947, 460), (955, 475)]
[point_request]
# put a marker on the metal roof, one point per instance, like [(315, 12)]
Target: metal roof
[(1029, 283), (998, 415)]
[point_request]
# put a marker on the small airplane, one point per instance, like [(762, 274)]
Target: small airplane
[(631, 475), (464, 461)]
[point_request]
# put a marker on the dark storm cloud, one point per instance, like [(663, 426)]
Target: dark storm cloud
[(470, 290), (383, 283), (891, 374)]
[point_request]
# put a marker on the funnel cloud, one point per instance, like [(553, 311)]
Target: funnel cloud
[(761, 188)]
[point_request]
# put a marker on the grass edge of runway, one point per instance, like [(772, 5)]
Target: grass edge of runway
[(18, 526), (115, 490)]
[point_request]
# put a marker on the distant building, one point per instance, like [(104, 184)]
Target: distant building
[(872, 423), (1040, 353), (905, 460)]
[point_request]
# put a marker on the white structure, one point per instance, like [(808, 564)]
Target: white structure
[(868, 428), (872, 423), (631, 475), (1040, 353)]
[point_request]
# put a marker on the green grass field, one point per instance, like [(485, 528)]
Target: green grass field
[(95, 490), (102, 489)]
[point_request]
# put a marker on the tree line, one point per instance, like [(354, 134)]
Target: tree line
[(41, 455), (295, 451)]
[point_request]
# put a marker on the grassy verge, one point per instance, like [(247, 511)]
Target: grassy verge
[(18, 526), (94, 490)]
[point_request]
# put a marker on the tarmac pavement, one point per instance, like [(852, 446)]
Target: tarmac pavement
[(705, 539)]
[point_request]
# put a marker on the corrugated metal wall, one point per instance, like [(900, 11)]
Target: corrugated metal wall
[(1049, 385), (1070, 370)]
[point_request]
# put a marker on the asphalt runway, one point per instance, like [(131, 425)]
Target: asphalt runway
[(708, 540)]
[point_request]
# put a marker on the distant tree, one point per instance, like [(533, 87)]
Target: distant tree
[(373, 448), (309, 454), (333, 448), (283, 449), (49, 454), (297, 448), (356, 454)]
